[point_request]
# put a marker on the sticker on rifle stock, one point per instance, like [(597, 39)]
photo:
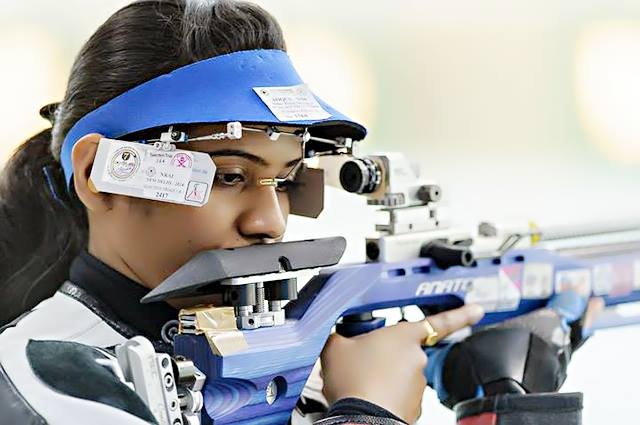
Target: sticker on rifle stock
[(602, 279), (537, 280), (144, 171), (622, 278), (509, 291), (499, 292), (615, 279), (485, 291), (578, 280)]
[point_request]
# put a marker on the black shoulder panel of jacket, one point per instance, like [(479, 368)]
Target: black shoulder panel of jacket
[(14, 322), (14, 408), (71, 368)]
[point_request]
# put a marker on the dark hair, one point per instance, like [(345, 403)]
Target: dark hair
[(39, 236)]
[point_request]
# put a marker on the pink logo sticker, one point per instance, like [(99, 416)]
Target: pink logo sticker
[(181, 160)]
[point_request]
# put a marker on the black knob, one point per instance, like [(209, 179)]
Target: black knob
[(446, 255), (239, 295), (280, 290), (429, 193)]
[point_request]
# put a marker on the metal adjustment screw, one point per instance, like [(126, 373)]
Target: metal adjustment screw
[(259, 297)]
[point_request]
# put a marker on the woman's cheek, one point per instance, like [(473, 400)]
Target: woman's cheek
[(214, 224)]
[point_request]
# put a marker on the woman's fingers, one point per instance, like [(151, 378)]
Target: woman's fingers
[(446, 323), (594, 308)]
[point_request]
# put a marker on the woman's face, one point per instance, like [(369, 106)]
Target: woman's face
[(148, 240)]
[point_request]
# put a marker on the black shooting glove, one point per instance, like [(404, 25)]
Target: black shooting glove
[(527, 354)]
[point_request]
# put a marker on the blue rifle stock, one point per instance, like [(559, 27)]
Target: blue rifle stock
[(261, 383)]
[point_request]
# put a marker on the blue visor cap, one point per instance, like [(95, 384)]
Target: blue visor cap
[(215, 90)]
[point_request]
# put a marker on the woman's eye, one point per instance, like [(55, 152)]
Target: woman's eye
[(229, 179)]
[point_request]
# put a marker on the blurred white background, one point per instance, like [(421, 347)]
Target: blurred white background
[(518, 109)]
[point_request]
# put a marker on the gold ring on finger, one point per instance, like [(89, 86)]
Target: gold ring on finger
[(432, 335)]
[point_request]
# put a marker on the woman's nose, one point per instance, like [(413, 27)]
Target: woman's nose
[(264, 217)]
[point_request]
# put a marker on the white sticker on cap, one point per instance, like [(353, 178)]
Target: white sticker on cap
[(144, 171), (293, 103)]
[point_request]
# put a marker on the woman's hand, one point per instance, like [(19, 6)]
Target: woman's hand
[(386, 366)]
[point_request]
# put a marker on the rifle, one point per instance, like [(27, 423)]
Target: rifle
[(257, 354)]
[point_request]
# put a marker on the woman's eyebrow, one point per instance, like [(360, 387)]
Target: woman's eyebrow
[(251, 157)]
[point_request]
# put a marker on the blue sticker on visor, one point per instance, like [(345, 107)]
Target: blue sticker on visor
[(215, 90)]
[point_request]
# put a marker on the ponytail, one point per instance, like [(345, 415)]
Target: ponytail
[(39, 234)]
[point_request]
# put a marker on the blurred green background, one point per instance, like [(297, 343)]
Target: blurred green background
[(518, 109)]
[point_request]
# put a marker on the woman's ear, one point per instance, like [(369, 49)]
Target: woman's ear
[(82, 157)]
